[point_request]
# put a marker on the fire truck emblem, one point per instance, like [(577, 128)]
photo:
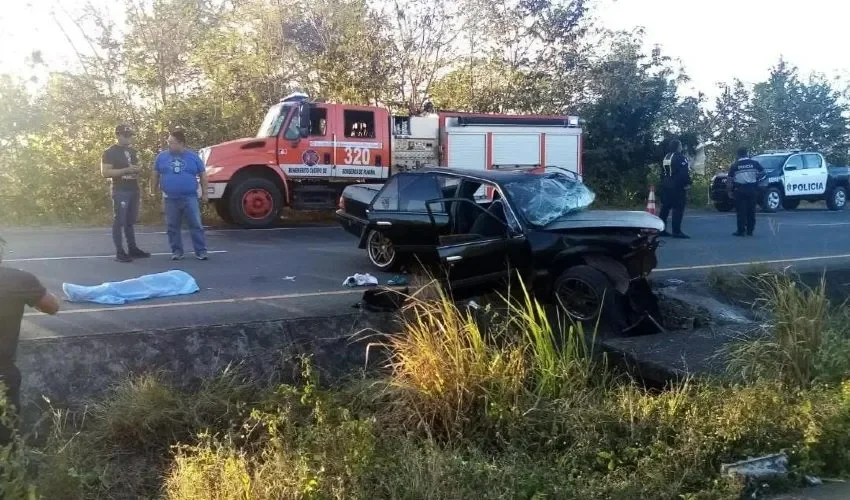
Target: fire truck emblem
[(310, 157)]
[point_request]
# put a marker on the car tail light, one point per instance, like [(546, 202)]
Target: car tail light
[(341, 203)]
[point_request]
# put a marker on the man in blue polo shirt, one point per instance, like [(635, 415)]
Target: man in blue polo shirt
[(176, 172)]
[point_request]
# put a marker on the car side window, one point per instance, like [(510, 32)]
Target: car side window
[(795, 162), (416, 190), (387, 199), (812, 161)]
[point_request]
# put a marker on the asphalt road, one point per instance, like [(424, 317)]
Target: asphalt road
[(298, 272)]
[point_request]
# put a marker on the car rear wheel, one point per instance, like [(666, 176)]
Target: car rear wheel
[(723, 206), (771, 200), (381, 251), (589, 298), (790, 203), (837, 198)]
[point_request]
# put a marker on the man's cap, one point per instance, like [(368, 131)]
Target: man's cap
[(124, 129)]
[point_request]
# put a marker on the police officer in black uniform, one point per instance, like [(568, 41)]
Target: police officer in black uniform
[(675, 182), (744, 176)]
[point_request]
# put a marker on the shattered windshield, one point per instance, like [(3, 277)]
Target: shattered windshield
[(543, 199)]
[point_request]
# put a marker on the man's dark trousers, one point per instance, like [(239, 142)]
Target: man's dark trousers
[(745, 206), (673, 200), (11, 378), (125, 205)]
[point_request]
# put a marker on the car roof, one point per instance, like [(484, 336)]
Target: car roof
[(495, 176)]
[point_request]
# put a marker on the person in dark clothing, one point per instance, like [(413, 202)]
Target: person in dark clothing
[(120, 164), (744, 176), (17, 290), (675, 182)]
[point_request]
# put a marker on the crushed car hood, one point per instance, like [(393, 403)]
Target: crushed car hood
[(606, 219)]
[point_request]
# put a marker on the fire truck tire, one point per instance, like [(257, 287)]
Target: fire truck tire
[(255, 203), (222, 208)]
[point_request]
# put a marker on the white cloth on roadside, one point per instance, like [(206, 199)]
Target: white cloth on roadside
[(358, 279)]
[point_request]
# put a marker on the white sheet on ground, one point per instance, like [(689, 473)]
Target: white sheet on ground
[(167, 284)]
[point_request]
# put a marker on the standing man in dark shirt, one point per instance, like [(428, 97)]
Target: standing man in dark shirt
[(675, 182), (120, 164), (17, 289), (744, 176)]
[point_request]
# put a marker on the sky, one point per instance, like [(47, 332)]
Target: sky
[(716, 40)]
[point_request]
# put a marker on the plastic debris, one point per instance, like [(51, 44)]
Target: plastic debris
[(473, 305), (288, 278), (397, 281), (758, 468), (358, 279), (549, 197)]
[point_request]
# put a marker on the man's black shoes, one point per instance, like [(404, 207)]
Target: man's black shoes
[(138, 253), (681, 236), (121, 256), (664, 234), (738, 233)]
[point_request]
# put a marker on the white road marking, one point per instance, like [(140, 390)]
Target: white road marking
[(87, 257), (119, 308), (753, 263)]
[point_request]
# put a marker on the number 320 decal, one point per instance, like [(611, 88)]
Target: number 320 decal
[(356, 156)]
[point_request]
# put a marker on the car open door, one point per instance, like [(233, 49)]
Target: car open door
[(478, 259)]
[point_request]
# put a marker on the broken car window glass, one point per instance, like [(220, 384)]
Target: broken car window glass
[(542, 199)]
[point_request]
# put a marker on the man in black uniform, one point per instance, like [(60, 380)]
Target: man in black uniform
[(17, 289), (744, 176), (675, 182), (120, 164)]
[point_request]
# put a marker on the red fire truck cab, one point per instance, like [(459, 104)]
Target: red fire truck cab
[(305, 153)]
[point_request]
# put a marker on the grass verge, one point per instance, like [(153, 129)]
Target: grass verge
[(501, 404)]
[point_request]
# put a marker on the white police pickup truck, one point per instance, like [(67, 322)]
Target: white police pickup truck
[(791, 177)]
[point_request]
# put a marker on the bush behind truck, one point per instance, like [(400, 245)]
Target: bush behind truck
[(791, 176)]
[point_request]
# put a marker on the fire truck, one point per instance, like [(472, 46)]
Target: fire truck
[(305, 153)]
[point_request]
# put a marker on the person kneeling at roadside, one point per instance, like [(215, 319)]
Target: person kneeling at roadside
[(176, 172), (17, 290)]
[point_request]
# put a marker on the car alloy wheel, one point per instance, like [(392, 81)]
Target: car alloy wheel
[(579, 299), (773, 200), (839, 198), (381, 250)]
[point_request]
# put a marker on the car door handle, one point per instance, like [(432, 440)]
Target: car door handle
[(454, 258), (384, 223)]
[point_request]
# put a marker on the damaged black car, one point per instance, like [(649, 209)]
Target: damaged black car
[(486, 227)]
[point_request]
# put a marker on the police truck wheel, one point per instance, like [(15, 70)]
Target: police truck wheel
[(723, 206), (836, 199), (222, 208), (790, 204), (771, 200), (255, 203)]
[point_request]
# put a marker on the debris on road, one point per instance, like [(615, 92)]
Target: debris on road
[(383, 300), (360, 280), (764, 467), (397, 281), (167, 284), (288, 278)]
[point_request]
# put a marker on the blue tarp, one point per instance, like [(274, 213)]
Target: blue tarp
[(167, 284)]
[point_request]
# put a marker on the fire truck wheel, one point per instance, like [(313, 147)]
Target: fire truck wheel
[(223, 210), (255, 203)]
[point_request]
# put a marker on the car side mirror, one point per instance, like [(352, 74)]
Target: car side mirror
[(304, 119)]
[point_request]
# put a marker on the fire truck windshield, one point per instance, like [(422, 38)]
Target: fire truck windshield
[(271, 123)]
